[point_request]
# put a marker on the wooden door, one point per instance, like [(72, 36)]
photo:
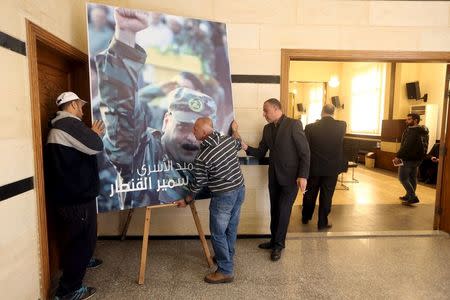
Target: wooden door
[(443, 203), (54, 67)]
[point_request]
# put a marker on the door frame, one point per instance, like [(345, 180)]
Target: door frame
[(443, 148), (37, 34), (288, 55)]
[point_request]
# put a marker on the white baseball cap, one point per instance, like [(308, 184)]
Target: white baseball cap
[(67, 97)]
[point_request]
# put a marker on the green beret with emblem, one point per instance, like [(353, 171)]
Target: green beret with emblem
[(187, 105)]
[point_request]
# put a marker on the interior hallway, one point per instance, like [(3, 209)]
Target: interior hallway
[(399, 267), (372, 204)]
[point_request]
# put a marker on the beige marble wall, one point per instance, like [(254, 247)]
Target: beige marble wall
[(257, 31), (405, 72), (19, 272)]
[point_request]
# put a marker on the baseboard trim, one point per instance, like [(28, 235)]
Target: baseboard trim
[(177, 237)]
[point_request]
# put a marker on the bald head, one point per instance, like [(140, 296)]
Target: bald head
[(328, 110), (202, 128)]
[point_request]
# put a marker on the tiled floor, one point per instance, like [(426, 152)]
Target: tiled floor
[(372, 217), (311, 268), (368, 254), (372, 204)]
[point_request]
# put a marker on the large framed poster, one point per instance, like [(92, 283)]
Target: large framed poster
[(152, 75)]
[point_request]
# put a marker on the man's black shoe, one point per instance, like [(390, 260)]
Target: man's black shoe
[(83, 293), (94, 263), (324, 227), (411, 201), (305, 221), (267, 245), (403, 198), (275, 255)]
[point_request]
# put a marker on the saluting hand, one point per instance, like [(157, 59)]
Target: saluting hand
[(128, 22), (130, 19)]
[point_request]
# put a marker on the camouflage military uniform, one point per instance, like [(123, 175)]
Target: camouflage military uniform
[(129, 141)]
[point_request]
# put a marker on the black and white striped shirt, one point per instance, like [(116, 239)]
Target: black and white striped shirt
[(217, 165)]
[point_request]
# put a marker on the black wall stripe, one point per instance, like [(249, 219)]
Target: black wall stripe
[(16, 188), (255, 78), (11, 43)]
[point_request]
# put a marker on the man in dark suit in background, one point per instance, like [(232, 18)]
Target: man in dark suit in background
[(325, 138), (288, 169)]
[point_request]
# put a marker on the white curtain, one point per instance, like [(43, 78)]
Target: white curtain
[(315, 102)]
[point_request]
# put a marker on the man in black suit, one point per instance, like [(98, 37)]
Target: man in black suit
[(325, 138), (288, 169)]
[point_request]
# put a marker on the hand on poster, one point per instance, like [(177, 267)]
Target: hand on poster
[(98, 127), (128, 22), (180, 203), (184, 202), (235, 134), (234, 126)]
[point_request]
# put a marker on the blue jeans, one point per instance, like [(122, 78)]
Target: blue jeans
[(225, 209), (407, 174)]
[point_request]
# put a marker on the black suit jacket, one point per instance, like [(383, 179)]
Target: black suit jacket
[(326, 142), (289, 152)]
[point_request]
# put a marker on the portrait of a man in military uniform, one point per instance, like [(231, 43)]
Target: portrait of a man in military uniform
[(149, 97)]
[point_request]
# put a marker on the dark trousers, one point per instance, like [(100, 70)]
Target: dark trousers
[(407, 174), (326, 186), (282, 197), (78, 231)]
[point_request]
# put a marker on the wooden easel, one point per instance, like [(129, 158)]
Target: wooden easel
[(201, 234)]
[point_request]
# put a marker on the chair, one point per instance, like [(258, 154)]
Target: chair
[(351, 151)]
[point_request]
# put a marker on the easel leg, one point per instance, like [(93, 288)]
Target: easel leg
[(127, 224), (201, 234), (144, 246)]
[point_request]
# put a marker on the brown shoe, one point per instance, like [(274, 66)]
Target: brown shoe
[(218, 277)]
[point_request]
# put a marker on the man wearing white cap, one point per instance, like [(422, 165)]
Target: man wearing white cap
[(72, 185)]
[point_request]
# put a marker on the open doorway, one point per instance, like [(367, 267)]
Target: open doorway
[(307, 99), (54, 67), (367, 200)]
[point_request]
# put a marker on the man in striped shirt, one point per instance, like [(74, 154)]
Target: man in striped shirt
[(217, 167)]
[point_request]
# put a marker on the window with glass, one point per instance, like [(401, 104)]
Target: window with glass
[(367, 99)]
